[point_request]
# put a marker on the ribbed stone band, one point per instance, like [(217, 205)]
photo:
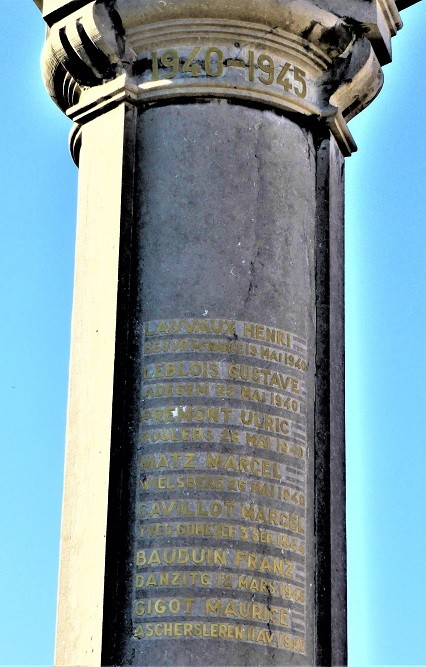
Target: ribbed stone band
[(291, 55)]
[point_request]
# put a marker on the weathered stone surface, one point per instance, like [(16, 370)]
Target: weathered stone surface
[(204, 489), (237, 420), (298, 56)]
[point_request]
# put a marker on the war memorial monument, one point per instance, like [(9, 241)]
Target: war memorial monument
[(204, 501)]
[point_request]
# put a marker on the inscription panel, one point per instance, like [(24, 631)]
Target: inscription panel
[(225, 395), (211, 62), (258, 64), (221, 490)]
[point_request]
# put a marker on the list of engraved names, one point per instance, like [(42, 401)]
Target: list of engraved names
[(221, 488)]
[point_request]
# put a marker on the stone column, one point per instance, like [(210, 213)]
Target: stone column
[(204, 519)]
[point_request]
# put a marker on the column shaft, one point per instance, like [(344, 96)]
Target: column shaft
[(218, 472), (101, 222)]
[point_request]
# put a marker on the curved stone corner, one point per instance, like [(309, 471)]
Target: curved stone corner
[(82, 50)]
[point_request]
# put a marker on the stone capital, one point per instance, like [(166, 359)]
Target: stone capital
[(311, 58)]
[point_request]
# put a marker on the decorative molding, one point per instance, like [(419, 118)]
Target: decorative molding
[(391, 14), (86, 46), (74, 142), (299, 56)]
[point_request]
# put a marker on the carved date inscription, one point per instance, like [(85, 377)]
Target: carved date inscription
[(221, 493), (211, 62)]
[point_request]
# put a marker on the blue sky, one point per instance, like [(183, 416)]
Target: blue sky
[(386, 364)]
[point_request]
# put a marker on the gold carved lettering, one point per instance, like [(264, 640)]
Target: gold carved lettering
[(244, 464), (264, 376), (250, 610), (172, 370), (286, 520), (181, 556), (189, 434), (211, 62), (230, 456), (170, 390), (173, 579), (189, 629), (265, 422), (179, 413), (261, 563), (229, 631), (159, 606), (267, 334), (187, 326), (185, 508), (233, 347)]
